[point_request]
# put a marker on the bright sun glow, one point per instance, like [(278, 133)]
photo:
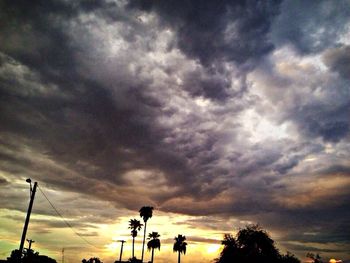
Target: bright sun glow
[(112, 247), (213, 248)]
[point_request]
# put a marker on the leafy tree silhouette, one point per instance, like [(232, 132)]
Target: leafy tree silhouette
[(315, 257), (289, 258), (180, 246), (230, 252), (252, 244), (29, 256), (135, 225), (146, 213), (92, 260), (134, 260), (153, 243)]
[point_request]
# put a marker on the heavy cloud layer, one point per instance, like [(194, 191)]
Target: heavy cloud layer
[(234, 109)]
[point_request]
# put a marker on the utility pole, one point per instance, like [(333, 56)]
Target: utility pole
[(62, 255), (121, 250), (26, 223), (30, 241)]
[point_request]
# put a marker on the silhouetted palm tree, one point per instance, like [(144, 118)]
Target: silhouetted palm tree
[(153, 243), (135, 225), (146, 213), (180, 246)]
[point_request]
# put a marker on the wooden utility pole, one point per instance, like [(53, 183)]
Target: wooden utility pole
[(26, 223), (121, 250)]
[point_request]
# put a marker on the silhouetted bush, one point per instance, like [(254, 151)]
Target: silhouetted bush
[(315, 257), (29, 256)]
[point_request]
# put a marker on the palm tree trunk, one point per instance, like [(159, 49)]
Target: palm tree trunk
[(133, 246), (178, 258), (152, 255), (143, 243)]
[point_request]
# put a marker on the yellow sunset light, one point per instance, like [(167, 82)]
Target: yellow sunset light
[(112, 247), (213, 248)]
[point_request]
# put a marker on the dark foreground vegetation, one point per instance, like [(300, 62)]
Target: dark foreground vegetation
[(251, 244), (29, 256)]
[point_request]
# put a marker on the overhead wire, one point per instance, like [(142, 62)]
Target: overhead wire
[(65, 221)]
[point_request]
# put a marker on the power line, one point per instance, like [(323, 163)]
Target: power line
[(65, 221)]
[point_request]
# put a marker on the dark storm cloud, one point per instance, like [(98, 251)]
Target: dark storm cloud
[(338, 60), (214, 33), (319, 106), (336, 169), (107, 138), (209, 87), (307, 249), (311, 26), (3, 181), (36, 34), (153, 100), (211, 31), (329, 122)]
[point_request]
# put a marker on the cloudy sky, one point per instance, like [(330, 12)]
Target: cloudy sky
[(217, 113)]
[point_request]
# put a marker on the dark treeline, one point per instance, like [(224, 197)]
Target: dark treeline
[(29, 256), (251, 244)]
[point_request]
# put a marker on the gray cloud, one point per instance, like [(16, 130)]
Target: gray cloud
[(338, 60), (233, 30), (311, 27), (202, 102)]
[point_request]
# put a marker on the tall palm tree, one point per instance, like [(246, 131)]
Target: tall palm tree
[(153, 243), (146, 213), (180, 246), (135, 225)]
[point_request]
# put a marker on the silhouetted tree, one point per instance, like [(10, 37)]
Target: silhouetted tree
[(153, 243), (134, 260), (289, 258), (29, 256), (146, 213), (252, 244), (15, 255), (92, 260), (230, 252), (315, 257), (135, 225), (180, 246), (256, 245)]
